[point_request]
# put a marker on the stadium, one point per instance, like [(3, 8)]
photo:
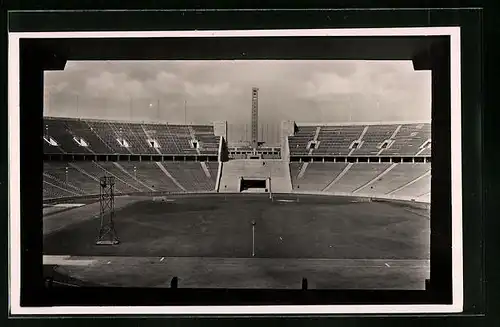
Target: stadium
[(341, 205)]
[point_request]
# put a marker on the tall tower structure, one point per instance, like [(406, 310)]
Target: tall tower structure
[(107, 233), (255, 117)]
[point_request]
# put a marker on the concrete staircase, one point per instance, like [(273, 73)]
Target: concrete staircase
[(278, 170)]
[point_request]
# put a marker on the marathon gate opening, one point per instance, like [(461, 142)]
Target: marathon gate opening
[(255, 185)]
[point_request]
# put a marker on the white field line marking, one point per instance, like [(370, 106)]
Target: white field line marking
[(68, 205)]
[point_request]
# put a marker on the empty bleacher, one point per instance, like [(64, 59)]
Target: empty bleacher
[(191, 176), (78, 178), (209, 143), (373, 139), (82, 178), (103, 137), (357, 176), (401, 180), (400, 175), (168, 143), (67, 173), (295, 168), (50, 191), (417, 188), (151, 176), (298, 142), (108, 134), (135, 137), (317, 176), (336, 140), (213, 168), (408, 139), (82, 129), (63, 135), (405, 139)]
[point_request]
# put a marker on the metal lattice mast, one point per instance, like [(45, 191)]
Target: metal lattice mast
[(107, 232)]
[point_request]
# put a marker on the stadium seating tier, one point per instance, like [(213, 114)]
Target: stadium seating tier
[(108, 137)]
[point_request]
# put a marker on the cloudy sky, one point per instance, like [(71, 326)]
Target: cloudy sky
[(200, 92)]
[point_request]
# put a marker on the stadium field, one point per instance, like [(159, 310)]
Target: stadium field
[(336, 242)]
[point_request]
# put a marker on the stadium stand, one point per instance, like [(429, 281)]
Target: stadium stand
[(167, 142), (110, 137), (67, 173), (404, 180), (213, 168), (151, 176), (425, 152), (405, 139), (373, 139), (134, 136), (191, 175), (209, 143), (50, 191), (315, 176), (94, 171), (357, 176), (336, 140), (408, 139), (59, 131), (294, 172), (82, 129), (107, 134), (400, 175), (80, 178), (417, 188), (298, 142)]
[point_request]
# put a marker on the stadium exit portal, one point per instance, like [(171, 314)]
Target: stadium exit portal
[(254, 185)]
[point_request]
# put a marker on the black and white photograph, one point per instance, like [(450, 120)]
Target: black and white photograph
[(267, 172), (259, 174)]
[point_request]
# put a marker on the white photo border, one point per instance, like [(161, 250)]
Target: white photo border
[(14, 180)]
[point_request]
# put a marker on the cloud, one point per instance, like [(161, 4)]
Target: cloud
[(221, 90), (206, 90)]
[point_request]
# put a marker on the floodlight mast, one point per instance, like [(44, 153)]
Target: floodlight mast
[(107, 232)]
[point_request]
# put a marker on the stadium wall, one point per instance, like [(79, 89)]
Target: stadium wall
[(142, 194), (362, 123), (380, 197)]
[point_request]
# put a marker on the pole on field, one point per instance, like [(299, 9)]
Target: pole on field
[(270, 191), (253, 238)]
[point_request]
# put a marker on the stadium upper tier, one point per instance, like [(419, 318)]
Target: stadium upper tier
[(80, 136), (362, 140)]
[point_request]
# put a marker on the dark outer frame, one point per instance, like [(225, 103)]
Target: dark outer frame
[(471, 111)]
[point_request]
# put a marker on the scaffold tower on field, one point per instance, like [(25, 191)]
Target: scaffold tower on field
[(107, 232)]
